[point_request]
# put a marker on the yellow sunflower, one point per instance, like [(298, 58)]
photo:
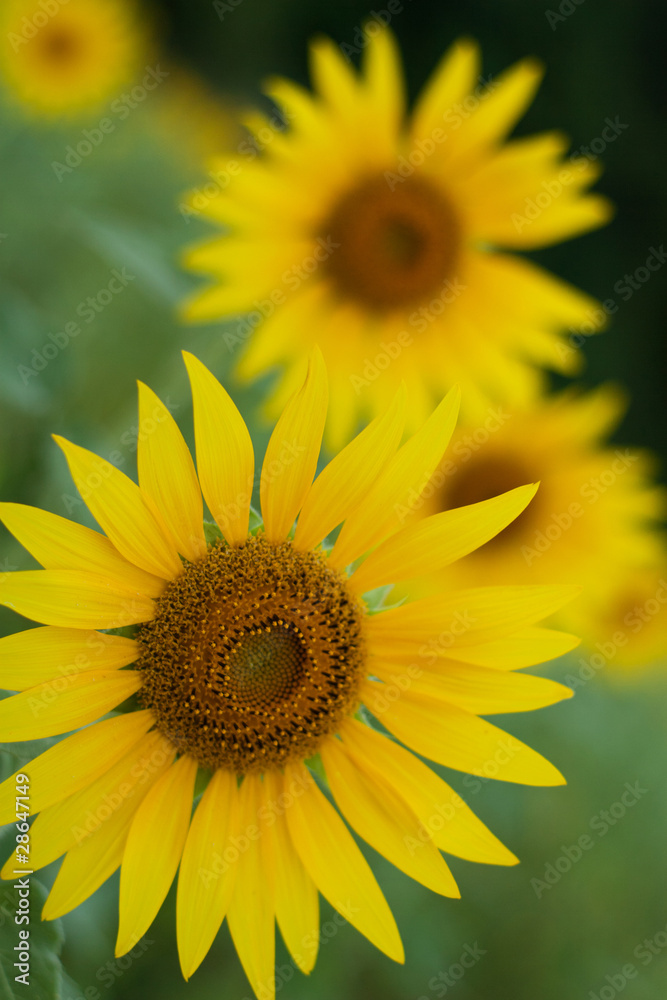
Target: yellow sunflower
[(262, 662), (594, 520), (67, 57), (385, 238)]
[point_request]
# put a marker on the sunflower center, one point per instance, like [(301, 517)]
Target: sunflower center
[(392, 247), (488, 477), (60, 46), (255, 655)]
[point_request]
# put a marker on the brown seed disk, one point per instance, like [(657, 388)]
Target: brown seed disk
[(392, 248), (255, 654)]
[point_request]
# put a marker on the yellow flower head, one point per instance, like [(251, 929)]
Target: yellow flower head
[(384, 238), (594, 520), (68, 57), (262, 658)]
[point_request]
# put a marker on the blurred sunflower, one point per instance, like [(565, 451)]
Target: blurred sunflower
[(257, 655), (383, 238), (61, 59), (594, 520)]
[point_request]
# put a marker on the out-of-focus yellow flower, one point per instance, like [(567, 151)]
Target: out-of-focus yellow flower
[(594, 520), (68, 57), (195, 121), (383, 238), (259, 654)]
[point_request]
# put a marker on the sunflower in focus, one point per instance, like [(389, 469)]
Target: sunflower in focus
[(254, 664), (594, 521), (61, 59), (388, 239)]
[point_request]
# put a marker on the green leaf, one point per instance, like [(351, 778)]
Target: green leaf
[(45, 943)]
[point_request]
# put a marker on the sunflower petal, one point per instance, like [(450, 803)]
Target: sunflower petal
[(452, 81), (449, 821), (75, 762), (481, 690), (291, 456), (466, 617), (93, 860), (118, 507), (167, 476), (153, 851), (224, 452), (385, 820), (439, 540), (336, 865), (206, 878), (40, 654), (251, 915), (386, 503), (57, 543), (296, 899), (458, 739), (64, 704), (72, 599), (342, 485), (522, 649), (117, 791)]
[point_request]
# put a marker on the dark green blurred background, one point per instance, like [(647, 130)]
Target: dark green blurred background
[(61, 240)]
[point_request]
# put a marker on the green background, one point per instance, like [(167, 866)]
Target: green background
[(60, 241)]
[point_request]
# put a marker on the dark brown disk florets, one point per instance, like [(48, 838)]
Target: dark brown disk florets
[(255, 654)]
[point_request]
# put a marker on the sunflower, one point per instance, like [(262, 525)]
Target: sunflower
[(385, 239), (594, 521), (62, 59), (263, 667)]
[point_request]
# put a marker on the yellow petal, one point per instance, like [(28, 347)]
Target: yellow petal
[(153, 851), (333, 77), (40, 654), (224, 452), (385, 820), (384, 80), (458, 739), (208, 870), (116, 792), (335, 863), (167, 476), (523, 649), (503, 105), (295, 894), (466, 617), (435, 542), (452, 81), (387, 502), (57, 543), (448, 820), (75, 762), (92, 861), (345, 481), (251, 916), (85, 869), (481, 690), (291, 456), (72, 599), (64, 704), (118, 507)]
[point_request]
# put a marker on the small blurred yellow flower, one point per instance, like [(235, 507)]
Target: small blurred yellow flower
[(383, 238), (67, 57)]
